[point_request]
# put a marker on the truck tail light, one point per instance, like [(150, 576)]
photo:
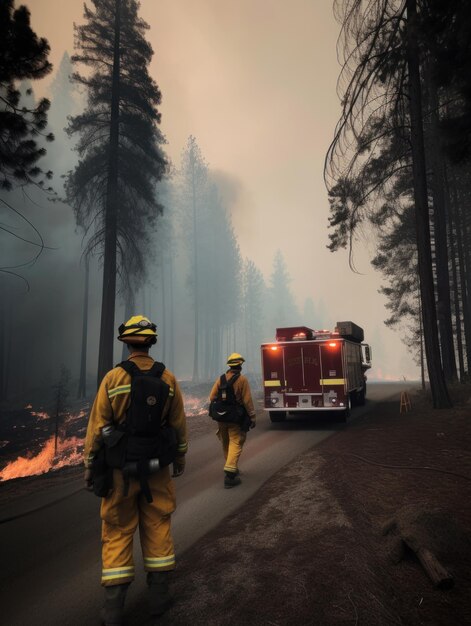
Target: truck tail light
[(274, 348), (332, 344)]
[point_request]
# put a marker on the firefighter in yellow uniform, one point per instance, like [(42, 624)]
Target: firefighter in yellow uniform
[(148, 501), (232, 435)]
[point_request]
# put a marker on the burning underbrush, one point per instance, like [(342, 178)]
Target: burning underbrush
[(51, 457), (29, 443), (29, 446)]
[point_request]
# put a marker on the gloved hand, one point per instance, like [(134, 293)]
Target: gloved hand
[(178, 466), (88, 477), (252, 424)]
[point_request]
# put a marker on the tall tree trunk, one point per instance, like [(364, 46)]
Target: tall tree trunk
[(467, 275), (107, 329), (464, 297), (421, 339), (456, 293), (82, 386), (171, 316), (438, 387), (3, 337), (129, 311), (5, 341), (8, 349), (56, 431), (456, 204), (440, 226), (195, 270), (164, 307)]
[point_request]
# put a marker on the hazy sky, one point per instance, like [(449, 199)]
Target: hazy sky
[(255, 82)]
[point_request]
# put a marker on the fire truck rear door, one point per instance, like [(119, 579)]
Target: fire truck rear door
[(302, 368)]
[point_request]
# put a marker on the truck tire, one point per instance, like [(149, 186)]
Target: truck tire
[(344, 415), (361, 397), (277, 416)]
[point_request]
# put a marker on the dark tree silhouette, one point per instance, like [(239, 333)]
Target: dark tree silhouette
[(193, 190), (121, 160), (253, 300), (379, 141), (61, 393), (22, 56), (282, 304), (82, 386), (422, 223)]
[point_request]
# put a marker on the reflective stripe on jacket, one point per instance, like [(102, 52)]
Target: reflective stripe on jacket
[(114, 397)]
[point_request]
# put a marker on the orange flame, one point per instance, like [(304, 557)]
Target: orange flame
[(69, 452), (195, 405)]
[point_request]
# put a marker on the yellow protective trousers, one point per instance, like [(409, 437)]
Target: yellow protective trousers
[(232, 439), (122, 514)]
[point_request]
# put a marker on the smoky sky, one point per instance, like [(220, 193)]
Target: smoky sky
[(255, 82)]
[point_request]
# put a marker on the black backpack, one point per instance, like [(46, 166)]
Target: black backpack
[(226, 408), (143, 434), (149, 394)]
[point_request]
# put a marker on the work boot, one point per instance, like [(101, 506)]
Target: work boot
[(159, 597), (113, 609), (231, 479)]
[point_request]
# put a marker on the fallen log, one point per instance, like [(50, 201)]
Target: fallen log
[(441, 578)]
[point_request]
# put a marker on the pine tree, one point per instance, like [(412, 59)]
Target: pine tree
[(193, 192), (379, 140), (66, 100), (22, 56), (283, 307), (253, 300), (112, 188)]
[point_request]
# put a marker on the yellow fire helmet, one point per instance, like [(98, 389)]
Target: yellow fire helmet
[(138, 329), (235, 359)]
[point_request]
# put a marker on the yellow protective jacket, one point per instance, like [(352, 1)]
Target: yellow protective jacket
[(241, 390), (113, 400)]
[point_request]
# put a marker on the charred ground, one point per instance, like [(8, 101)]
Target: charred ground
[(309, 547)]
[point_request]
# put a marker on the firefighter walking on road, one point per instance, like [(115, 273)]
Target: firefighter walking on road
[(231, 405), (136, 430)]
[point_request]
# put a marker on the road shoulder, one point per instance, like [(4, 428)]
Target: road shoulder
[(308, 547)]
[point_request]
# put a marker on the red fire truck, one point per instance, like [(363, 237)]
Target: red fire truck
[(307, 370)]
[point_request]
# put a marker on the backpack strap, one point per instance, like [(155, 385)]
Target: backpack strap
[(230, 383), (156, 370), (131, 368), (226, 388)]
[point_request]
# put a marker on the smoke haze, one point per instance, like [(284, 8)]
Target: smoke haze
[(255, 83)]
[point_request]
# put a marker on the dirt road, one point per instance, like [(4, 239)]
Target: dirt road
[(50, 564)]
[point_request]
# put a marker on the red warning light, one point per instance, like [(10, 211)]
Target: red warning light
[(274, 348), (333, 344)]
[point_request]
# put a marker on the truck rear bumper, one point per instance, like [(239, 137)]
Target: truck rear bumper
[(303, 409)]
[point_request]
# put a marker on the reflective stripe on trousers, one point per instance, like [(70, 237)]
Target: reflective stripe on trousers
[(120, 517), (232, 439)]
